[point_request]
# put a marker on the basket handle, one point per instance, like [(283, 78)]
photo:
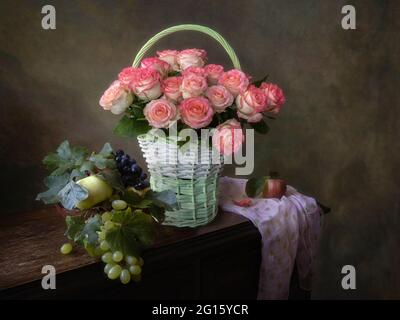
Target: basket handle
[(188, 27)]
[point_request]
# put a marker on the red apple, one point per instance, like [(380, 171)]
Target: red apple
[(274, 188)]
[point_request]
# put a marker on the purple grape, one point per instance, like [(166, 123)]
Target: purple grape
[(136, 170)]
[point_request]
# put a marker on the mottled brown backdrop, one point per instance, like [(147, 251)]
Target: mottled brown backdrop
[(337, 137)]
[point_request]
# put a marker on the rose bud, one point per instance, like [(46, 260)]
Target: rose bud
[(116, 98), (275, 97)]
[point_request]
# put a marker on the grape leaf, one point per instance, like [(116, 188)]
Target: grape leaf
[(112, 178), (90, 229), (54, 184), (255, 186), (75, 225), (165, 199), (65, 159), (71, 194), (130, 128), (135, 232)]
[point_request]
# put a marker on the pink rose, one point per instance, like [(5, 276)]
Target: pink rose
[(170, 57), (219, 97), (191, 57), (235, 81), (213, 72), (196, 112), (193, 86), (275, 97), (250, 103), (126, 76), (160, 113), (194, 70), (228, 137), (172, 88), (116, 98), (156, 64), (146, 84)]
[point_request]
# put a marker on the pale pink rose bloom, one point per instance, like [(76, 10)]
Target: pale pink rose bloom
[(235, 81), (250, 103), (172, 88), (219, 97), (161, 113), (213, 72), (196, 112), (191, 58), (275, 97), (126, 76), (193, 86), (194, 70), (170, 57), (146, 84), (116, 98), (228, 137), (156, 64)]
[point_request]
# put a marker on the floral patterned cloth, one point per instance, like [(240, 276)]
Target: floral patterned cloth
[(290, 230)]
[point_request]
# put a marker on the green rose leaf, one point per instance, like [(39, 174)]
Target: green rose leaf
[(71, 194), (260, 127), (130, 128), (255, 186)]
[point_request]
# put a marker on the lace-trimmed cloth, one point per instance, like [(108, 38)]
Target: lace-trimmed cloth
[(290, 230)]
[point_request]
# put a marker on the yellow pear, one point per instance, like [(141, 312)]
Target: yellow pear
[(98, 189)]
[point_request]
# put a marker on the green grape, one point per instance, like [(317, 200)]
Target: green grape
[(108, 267), (119, 204), (102, 235), (135, 270), (109, 225), (106, 216), (117, 256), (107, 257), (66, 248), (141, 261), (104, 245), (125, 276), (131, 260), (114, 272), (98, 251)]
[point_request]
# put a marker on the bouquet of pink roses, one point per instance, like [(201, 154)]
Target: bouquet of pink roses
[(179, 87)]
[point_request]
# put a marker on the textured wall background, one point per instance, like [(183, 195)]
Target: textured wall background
[(337, 137)]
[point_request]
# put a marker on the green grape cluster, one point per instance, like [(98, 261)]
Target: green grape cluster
[(117, 265)]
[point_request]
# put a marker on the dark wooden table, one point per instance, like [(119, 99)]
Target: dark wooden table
[(217, 261)]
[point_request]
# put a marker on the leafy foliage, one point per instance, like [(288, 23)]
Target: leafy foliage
[(133, 232), (165, 199), (71, 163), (129, 127), (260, 127), (54, 184), (65, 159), (82, 232), (71, 194)]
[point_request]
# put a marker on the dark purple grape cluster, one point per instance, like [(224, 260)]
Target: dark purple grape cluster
[(132, 174)]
